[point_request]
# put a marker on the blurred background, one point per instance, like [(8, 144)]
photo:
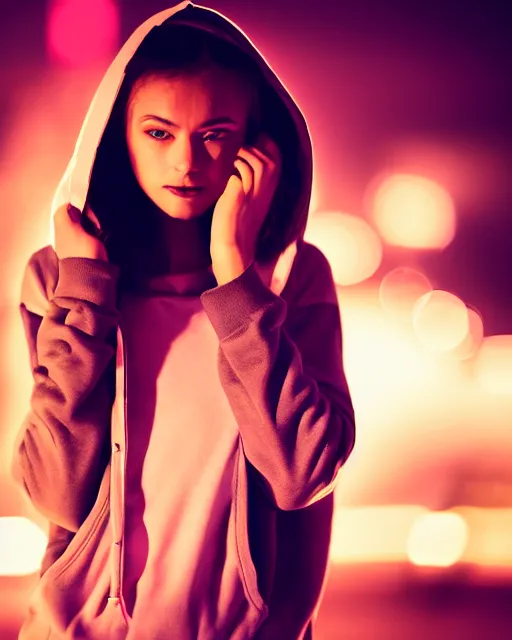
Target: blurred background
[(409, 105)]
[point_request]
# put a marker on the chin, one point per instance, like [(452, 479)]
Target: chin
[(182, 214), (183, 209)]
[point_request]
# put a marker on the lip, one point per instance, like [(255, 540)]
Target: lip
[(185, 192)]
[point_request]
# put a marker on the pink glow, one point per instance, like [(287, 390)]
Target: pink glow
[(80, 32)]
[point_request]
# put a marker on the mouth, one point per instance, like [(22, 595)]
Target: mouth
[(185, 192)]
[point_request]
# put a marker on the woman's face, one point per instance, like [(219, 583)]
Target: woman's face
[(186, 131)]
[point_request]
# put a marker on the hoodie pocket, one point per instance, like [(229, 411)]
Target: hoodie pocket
[(72, 595), (92, 528)]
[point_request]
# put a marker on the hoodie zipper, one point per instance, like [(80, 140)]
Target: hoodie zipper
[(119, 455)]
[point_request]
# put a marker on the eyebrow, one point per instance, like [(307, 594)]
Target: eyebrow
[(208, 123)]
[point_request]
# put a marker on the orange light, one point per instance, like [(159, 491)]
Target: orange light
[(23, 546), (353, 535), (474, 337), (493, 368), (80, 32), (382, 357), (440, 320), (412, 211), (437, 539), (413, 533), (351, 246), (491, 530), (399, 291)]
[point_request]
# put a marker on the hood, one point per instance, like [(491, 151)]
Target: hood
[(74, 185)]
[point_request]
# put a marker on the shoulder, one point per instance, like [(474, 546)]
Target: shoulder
[(39, 280), (310, 280)]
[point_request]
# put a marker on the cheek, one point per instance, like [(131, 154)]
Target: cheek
[(146, 162), (134, 153), (224, 161)]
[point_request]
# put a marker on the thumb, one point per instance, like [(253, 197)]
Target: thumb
[(73, 213)]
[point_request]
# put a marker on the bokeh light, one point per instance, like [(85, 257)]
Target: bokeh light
[(400, 290), (493, 367), (353, 534), (413, 211), (351, 246), (22, 546), (437, 539), (491, 532), (474, 337), (440, 320), (80, 32), (413, 533)]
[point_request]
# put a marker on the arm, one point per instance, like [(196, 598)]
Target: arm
[(63, 446), (280, 364)]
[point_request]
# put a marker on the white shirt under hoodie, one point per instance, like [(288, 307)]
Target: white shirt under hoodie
[(180, 547)]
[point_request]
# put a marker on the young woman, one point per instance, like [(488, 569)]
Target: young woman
[(190, 412)]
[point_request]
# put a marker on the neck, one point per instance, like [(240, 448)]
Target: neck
[(168, 246), (184, 244)]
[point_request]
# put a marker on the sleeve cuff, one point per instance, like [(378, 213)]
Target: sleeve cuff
[(90, 280), (232, 305)]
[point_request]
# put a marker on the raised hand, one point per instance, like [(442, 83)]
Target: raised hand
[(71, 239)]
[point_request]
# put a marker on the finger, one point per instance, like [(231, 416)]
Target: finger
[(264, 169), (246, 174), (269, 148), (257, 154), (257, 162), (73, 213), (234, 190), (90, 222), (89, 213)]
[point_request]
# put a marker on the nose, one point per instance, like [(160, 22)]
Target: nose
[(183, 155)]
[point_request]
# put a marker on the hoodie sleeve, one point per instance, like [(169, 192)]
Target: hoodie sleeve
[(281, 367), (62, 450)]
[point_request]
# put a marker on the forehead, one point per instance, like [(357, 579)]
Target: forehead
[(208, 93)]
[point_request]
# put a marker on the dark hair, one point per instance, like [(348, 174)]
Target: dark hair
[(114, 193)]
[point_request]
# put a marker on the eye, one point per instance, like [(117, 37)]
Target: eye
[(213, 136), (164, 134)]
